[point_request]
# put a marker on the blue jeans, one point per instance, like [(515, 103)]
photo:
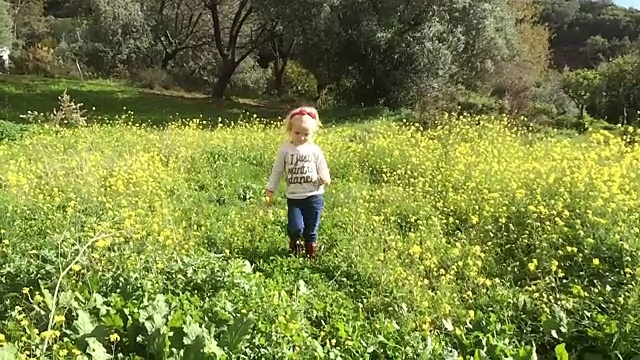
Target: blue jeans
[(304, 217)]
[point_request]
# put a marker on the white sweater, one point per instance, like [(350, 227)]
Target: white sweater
[(302, 166)]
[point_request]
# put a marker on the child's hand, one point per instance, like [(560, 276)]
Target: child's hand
[(269, 197), (323, 180)]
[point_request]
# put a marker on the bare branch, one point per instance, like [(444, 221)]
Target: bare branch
[(237, 26), (217, 30)]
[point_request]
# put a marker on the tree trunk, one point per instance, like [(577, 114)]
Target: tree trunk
[(279, 67), (224, 77), (168, 57)]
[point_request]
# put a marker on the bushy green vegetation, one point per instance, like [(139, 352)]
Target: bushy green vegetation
[(348, 53)]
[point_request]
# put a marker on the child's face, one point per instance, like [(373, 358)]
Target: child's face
[(301, 131)]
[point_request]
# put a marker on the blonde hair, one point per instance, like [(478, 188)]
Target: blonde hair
[(302, 113)]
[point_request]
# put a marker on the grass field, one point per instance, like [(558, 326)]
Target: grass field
[(108, 99), (471, 240), (19, 94)]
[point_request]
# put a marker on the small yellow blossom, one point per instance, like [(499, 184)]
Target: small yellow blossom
[(102, 243), (446, 309), (114, 337), (48, 334)]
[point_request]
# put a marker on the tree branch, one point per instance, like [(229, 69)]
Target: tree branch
[(236, 27), (255, 44), (217, 30)]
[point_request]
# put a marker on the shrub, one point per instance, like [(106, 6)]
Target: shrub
[(10, 131), (300, 82), (153, 78), (457, 100), (249, 79), (68, 114), (39, 59)]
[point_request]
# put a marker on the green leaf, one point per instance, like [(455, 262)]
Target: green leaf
[(8, 352), (177, 319), (550, 327), (561, 352), (48, 298), (96, 350), (237, 332), (191, 332), (211, 347), (447, 324), (319, 351), (155, 314), (528, 353), (194, 350), (158, 343), (198, 342), (302, 286), (97, 301), (83, 325), (113, 320)]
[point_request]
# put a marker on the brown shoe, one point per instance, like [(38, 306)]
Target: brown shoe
[(295, 247), (310, 249)]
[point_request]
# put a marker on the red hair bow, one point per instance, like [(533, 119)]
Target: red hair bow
[(303, 112)]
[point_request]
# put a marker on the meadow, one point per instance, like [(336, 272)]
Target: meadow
[(473, 240)]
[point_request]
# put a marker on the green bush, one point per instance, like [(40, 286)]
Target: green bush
[(153, 78), (479, 104), (10, 131), (300, 82), (457, 100), (249, 79)]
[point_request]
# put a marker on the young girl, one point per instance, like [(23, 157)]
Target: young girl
[(306, 173)]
